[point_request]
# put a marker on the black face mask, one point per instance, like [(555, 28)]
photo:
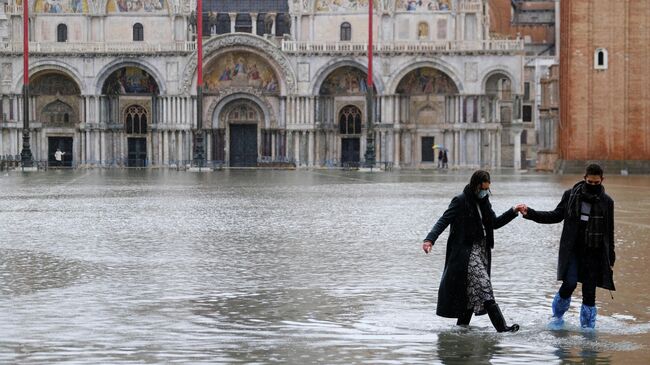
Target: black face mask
[(593, 189)]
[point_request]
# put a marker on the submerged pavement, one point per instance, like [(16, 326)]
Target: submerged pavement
[(146, 266)]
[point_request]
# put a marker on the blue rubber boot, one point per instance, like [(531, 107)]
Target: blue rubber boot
[(588, 317), (560, 306)]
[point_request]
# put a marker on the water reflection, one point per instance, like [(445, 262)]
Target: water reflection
[(581, 346), (289, 267), (465, 347)]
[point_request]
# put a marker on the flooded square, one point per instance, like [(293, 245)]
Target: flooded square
[(308, 266)]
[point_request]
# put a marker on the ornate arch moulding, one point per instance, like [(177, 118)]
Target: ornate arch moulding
[(323, 72), (229, 95), (116, 64), (49, 65), (437, 64), (243, 42)]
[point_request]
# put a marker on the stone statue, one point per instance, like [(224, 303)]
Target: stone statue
[(192, 22), (212, 18), (268, 23)]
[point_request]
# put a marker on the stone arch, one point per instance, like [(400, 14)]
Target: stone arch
[(349, 119), (217, 107), (136, 118), (111, 67), (500, 70), (50, 65), (406, 68), (225, 43), (499, 90), (326, 71)]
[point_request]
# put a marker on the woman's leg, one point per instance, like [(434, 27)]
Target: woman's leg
[(479, 289), (465, 318), (496, 317)]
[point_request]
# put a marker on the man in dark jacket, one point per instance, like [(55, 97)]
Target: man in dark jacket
[(586, 246), (465, 288)]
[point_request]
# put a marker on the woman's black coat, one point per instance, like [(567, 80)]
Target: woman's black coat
[(463, 217), (570, 232)]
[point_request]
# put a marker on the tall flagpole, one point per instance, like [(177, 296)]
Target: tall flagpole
[(26, 153), (370, 97), (199, 157)]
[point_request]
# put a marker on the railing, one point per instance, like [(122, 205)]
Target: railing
[(354, 165), (13, 9), (467, 7), (500, 45), (100, 47)]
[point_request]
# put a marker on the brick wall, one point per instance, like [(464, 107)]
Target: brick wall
[(605, 113)]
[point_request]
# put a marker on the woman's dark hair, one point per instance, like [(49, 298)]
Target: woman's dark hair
[(594, 169), (478, 178)]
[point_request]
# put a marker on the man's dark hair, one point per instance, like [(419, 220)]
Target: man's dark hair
[(479, 177), (594, 169)]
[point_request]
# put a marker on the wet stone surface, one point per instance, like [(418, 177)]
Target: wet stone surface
[(299, 267)]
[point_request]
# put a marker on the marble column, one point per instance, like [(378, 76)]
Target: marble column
[(516, 134), (254, 23), (233, 19), (397, 148), (310, 148)]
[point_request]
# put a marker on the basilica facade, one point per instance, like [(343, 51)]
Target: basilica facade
[(114, 83)]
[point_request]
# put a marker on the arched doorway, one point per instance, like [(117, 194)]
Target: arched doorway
[(130, 97), (135, 125), (242, 119), (424, 92), (342, 97), (501, 108), (350, 131), (56, 96)]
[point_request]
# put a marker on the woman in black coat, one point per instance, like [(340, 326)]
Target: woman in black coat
[(465, 288)]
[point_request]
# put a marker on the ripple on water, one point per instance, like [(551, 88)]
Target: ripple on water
[(290, 267)]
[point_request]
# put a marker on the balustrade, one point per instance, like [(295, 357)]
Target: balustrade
[(100, 47), (496, 45)]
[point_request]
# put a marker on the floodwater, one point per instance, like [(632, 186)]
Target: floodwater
[(299, 267)]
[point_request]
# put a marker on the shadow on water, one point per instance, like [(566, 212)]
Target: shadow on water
[(27, 272), (464, 347)]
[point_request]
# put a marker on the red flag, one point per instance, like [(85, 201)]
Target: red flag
[(199, 42), (26, 43), (370, 44)]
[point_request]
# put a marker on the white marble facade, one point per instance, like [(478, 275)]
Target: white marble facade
[(438, 77)]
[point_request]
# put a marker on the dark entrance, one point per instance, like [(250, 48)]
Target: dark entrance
[(427, 149), (63, 144), (137, 155), (243, 145), (350, 151)]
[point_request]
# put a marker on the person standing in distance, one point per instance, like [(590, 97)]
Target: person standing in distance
[(586, 246), (465, 288)]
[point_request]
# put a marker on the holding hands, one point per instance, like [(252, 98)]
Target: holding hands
[(521, 208)]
